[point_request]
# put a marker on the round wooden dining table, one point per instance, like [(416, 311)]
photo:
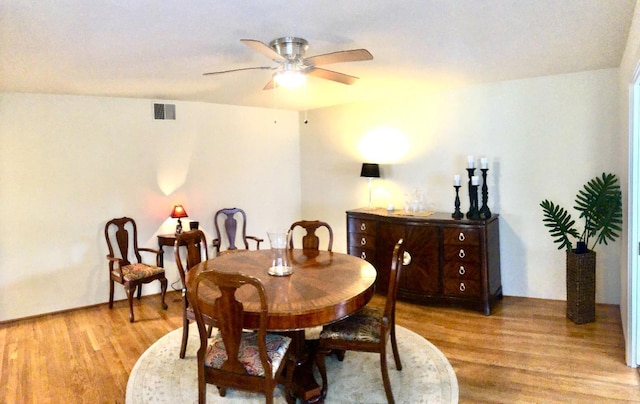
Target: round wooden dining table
[(324, 287)]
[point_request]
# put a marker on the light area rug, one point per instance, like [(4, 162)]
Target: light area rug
[(160, 376)]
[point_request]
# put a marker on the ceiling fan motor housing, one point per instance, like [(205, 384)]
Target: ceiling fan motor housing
[(290, 47)]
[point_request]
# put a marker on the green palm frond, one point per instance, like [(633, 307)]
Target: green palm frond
[(600, 206), (560, 224)]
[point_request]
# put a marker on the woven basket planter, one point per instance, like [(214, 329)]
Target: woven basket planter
[(581, 287)]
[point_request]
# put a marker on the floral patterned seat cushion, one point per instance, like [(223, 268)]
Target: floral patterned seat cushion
[(133, 272), (364, 325), (248, 354)]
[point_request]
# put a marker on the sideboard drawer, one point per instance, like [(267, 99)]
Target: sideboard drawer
[(456, 253), (460, 270), (462, 287), (367, 255), (362, 241), (364, 226), (461, 236)]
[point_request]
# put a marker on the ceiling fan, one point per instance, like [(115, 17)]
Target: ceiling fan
[(288, 53)]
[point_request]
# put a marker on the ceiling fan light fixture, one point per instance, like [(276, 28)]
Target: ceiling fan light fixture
[(290, 78)]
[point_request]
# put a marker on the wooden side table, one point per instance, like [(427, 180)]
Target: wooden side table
[(165, 240)]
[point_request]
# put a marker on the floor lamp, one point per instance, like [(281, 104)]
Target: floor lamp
[(370, 171)]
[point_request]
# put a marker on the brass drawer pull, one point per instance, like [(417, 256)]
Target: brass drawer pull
[(462, 271), (462, 287), (363, 226), (363, 241), (461, 236), (461, 254), (406, 258), (363, 255)]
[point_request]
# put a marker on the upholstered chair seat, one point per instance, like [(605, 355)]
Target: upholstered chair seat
[(138, 271), (248, 354), (365, 325)]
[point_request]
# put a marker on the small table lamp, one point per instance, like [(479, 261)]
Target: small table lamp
[(177, 213), (370, 171)]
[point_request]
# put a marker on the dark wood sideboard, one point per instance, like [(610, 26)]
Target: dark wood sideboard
[(454, 262)]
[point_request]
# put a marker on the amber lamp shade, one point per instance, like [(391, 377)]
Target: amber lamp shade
[(177, 213)]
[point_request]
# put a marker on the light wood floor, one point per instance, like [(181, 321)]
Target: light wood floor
[(527, 351)]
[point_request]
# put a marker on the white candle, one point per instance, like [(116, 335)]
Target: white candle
[(471, 162), (483, 162), (474, 180), (456, 180)]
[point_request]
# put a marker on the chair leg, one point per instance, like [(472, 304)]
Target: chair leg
[(289, 369), (111, 293), (385, 377), (394, 347), (202, 385), (130, 291), (163, 290), (322, 368), (139, 291), (185, 335)]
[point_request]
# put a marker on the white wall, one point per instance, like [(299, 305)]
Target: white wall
[(544, 138), (68, 164)]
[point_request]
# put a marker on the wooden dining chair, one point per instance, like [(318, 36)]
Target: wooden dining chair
[(125, 261), (195, 247), (368, 330), (310, 248), (310, 241), (232, 219), (235, 358)]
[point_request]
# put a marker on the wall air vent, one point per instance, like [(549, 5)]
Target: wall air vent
[(164, 111)]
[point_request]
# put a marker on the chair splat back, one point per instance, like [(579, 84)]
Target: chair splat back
[(193, 242), (123, 227), (310, 241), (235, 227), (231, 227), (227, 311)]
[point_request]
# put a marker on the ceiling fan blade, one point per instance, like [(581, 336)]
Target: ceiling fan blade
[(270, 85), (264, 49), (331, 75), (354, 55), (239, 70)]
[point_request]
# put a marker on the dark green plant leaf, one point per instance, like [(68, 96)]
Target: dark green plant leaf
[(600, 205), (560, 224)]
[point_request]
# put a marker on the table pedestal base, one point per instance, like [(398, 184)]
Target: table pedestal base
[(304, 386)]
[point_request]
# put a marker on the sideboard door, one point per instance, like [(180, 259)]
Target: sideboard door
[(421, 275)]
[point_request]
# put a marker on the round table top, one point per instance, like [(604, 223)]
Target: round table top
[(322, 288)]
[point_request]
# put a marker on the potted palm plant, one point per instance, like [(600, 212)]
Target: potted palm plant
[(599, 205)]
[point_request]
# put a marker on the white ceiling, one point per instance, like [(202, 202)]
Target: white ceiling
[(159, 49)]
